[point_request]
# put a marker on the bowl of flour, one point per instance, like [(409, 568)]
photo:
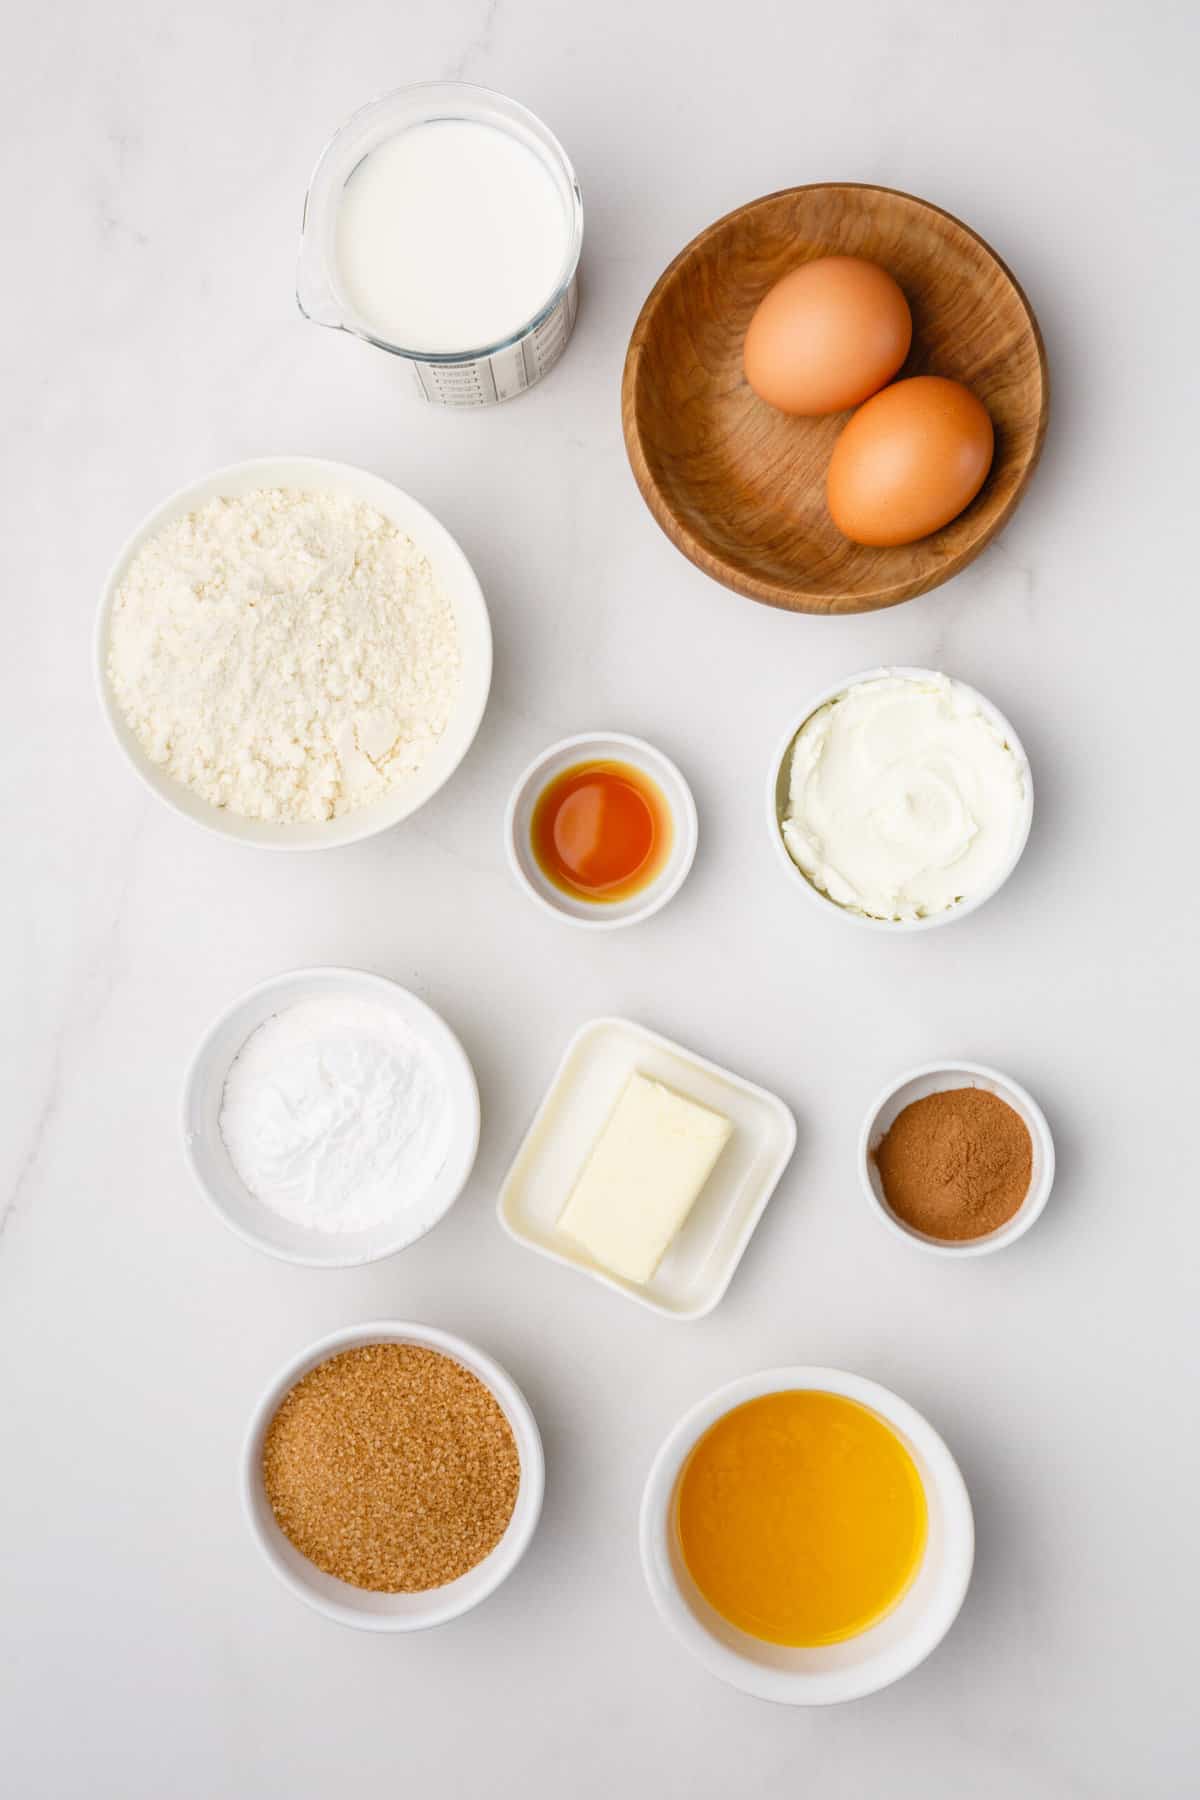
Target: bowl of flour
[(330, 1117), (293, 653)]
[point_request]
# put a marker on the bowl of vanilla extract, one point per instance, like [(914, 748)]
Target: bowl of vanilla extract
[(601, 830)]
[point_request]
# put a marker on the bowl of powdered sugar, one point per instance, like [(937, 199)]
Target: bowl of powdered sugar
[(293, 653), (331, 1117)]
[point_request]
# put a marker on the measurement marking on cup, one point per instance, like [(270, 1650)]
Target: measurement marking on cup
[(498, 212)]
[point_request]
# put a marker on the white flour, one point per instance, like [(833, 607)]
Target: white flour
[(285, 655), (336, 1115)]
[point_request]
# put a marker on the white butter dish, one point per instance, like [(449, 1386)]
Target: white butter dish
[(699, 1265)]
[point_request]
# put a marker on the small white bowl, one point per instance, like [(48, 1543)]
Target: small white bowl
[(457, 581), (359, 1606), (777, 794), (859, 1665), (601, 746), (937, 1078), (220, 1182)]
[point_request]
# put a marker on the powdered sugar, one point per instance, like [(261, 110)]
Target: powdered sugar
[(286, 655), (336, 1115)]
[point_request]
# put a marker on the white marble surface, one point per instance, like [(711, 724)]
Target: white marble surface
[(157, 159)]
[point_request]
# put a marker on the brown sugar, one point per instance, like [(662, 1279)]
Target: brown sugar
[(392, 1467), (956, 1165)]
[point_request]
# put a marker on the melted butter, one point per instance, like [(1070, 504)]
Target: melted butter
[(801, 1517)]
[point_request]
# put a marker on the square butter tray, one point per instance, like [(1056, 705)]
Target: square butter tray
[(699, 1265)]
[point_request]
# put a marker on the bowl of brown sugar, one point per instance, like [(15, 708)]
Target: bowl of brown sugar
[(957, 1158), (392, 1476)]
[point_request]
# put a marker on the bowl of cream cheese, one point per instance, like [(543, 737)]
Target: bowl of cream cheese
[(901, 799)]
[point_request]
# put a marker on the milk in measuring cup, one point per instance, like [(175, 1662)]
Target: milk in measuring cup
[(450, 236), (444, 224)]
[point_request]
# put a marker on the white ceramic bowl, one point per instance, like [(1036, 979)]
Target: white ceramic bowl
[(832, 1672), (936, 1078), (358, 1606), (601, 746), (223, 1186), (777, 790), (458, 583)]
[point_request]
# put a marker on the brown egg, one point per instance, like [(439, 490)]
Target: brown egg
[(909, 461), (826, 336)]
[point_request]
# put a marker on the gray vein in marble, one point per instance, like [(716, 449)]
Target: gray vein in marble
[(37, 1138), (1021, 591), (477, 47), (126, 149), (1001, 583), (101, 971)]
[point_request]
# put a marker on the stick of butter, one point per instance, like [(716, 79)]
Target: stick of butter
[(642, 1178)]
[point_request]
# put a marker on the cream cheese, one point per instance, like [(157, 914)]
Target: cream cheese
[(904, 798)]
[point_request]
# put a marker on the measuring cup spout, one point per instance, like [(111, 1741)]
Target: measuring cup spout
[(485, 357), (314, 294)]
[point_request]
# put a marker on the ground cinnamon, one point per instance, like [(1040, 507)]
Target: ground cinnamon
[(956, 1165)]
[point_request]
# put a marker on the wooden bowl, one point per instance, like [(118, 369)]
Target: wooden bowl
[(740, 487)]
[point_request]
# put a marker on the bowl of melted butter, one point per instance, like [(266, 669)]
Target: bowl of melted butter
[(807, 1535)]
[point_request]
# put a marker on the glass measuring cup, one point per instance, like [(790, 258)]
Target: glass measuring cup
[(472, 375)]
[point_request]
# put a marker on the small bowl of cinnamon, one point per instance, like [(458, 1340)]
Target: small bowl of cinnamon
[(956, 1158)]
